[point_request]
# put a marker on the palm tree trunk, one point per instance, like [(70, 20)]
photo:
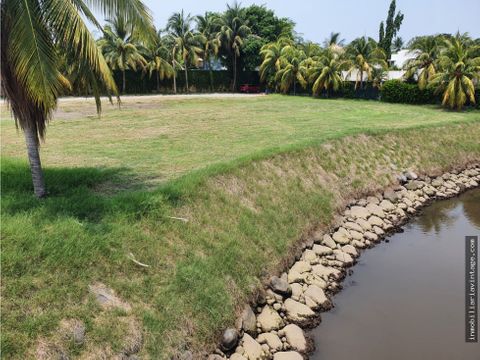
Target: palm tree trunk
[(294, 86), (234, 86), (361, 79), (211, 79), (31, 139), (186, 77), (158, 82), (124, 81), (174, 81)]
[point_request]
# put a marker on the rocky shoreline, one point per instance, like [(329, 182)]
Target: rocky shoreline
[(273, 327)]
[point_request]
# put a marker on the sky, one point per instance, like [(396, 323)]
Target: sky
[(315, 19)]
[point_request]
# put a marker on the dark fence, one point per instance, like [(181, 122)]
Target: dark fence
[(198, 81)]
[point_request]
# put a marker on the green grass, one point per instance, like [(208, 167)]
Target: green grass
[(245, 210), (157, 139)]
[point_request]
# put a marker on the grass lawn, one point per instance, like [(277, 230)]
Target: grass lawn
[(160, 138), (244, 215)]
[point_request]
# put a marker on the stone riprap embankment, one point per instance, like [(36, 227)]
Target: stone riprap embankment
[(293, 301)]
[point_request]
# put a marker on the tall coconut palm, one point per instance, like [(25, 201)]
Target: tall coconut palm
[(270, 54), (364, 55), (187, 44), (34, 37), (233, 31), (424, 63), (291, 69), (120, 48), (158, 56), (459, 67), (208, 25), (326, 72)]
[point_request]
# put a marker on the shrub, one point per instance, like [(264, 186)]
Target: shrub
[(397, 91)]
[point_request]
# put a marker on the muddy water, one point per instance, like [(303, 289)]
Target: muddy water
[(405, 299)]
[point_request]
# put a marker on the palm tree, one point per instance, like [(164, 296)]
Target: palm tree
[(334, 40), (459, 67), (291, 69), (424, 64), (208, 26), (271, 53), (233, 31), (35, 35), (326, 72), (364, 54), (186, 42), (157, 55), (120, 48)]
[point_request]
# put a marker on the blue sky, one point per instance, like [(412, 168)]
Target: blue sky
[(315, 19)]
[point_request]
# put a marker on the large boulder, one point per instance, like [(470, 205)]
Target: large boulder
[(272, 340), (249, 320), (295, 337), (280, 286), (297, 311), (229, 339), (317, 295), (269, 319), (359, 212), (252, 349)]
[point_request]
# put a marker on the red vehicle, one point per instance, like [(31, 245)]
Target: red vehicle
[(247, 88)]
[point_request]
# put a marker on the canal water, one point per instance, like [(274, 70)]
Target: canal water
[(405, 299)]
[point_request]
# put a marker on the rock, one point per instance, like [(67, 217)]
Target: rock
[(215, 357), (375, 221), (287, 355), (402, 179), (343, 257), (301, 267), (297, 311), (386, 205), (78, 333), (410, 175), (414, 185), (229, 339), (375, 210), (371, 236), (318, 296), (237, 356), (365, 225), (372, 200), (106, 297), (359, 212), (280, 286), (252, 349), (294, 276), (249, 320), (296, 290), (321, 250), (341, 236), (309, 256), (295, 337), (328, 241), (437, 182), (325, 271), (272, 340), (349, 249), (358, 244), (353, 226), (391, 196), (356, 235), (378, 231), (269, 319)]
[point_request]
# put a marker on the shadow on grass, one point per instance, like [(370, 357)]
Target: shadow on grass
[(83, 193)]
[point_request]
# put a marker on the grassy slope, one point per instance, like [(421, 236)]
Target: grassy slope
[(243, 221)]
